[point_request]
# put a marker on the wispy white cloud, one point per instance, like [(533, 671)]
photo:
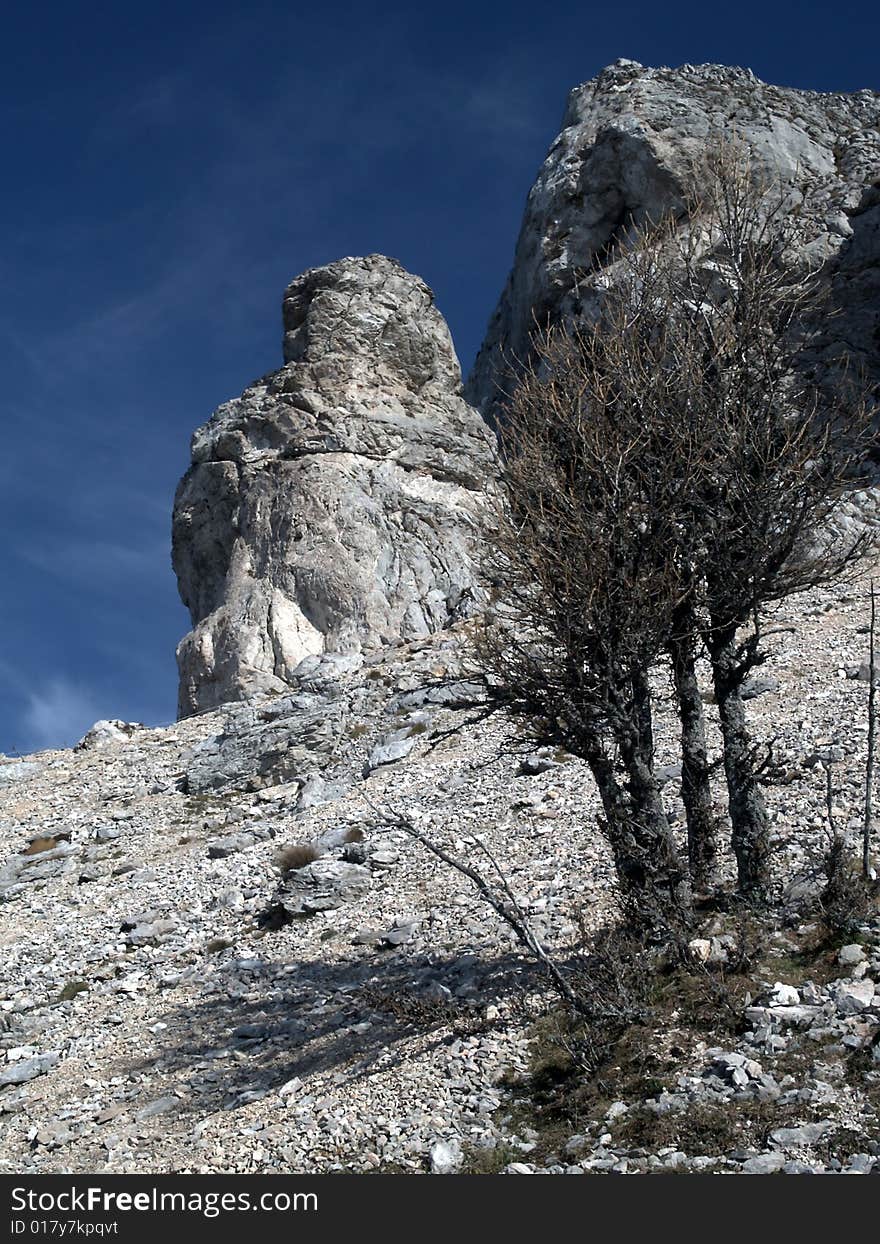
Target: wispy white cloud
[(57, 714), (503, 111), (54, 714), (325, 134), (153, 104), (101, 562)]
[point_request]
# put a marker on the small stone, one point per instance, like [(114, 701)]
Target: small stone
[(852, 997), (383, 858), (445, 1156), (160, 1106), (533, 766), (860, 1164), (223, 847), (105, 733), (112, 1112), (849, 956), (388, 752), (761, 684), (784, 995), (668, 773), (700, 948), (796, 1137), (764, 1164), (29, 1068)]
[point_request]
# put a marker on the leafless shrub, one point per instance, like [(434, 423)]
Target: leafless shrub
[(612, 974), (498, 894), (296, 855), (425, 1014), (602, 981), (845, 901), (841, 895)]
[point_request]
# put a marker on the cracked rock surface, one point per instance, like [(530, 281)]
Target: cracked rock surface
[(622, 157), (332, 507)]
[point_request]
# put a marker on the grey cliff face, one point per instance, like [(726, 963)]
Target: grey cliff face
[(622, 157), (333, 507)]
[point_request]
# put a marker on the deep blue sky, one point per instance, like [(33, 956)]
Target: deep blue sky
[(168, 168)]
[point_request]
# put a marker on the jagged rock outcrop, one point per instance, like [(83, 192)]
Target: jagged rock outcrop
[(622, 156), (332, 508)]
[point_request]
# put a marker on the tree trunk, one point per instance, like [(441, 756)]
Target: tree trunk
[(750, 833), (696, 791), (656, 894), (643, 715)]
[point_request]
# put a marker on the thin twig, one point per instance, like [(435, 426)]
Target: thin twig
[(510, 912), (869, 763)]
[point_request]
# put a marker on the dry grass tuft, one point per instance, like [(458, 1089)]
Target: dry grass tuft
[(296, 855)]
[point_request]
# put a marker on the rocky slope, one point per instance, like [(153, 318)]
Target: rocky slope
[(622, 157), (331, 507), (170, 1002), (216, 953)]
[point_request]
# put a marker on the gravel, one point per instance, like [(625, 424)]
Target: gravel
[(151, 1021)]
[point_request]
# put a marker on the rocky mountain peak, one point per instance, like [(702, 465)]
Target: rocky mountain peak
[(374, 319), (332, 507), (623, 156)]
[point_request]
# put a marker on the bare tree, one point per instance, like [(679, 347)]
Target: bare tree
[(587, 590), (670, 471), (779, 452)]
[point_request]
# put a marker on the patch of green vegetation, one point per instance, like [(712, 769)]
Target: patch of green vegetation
[(481, 1160), (701, 1000), (840, 1142), (559, 1096), (703, 1130), (648, 1023), (799, 967)]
